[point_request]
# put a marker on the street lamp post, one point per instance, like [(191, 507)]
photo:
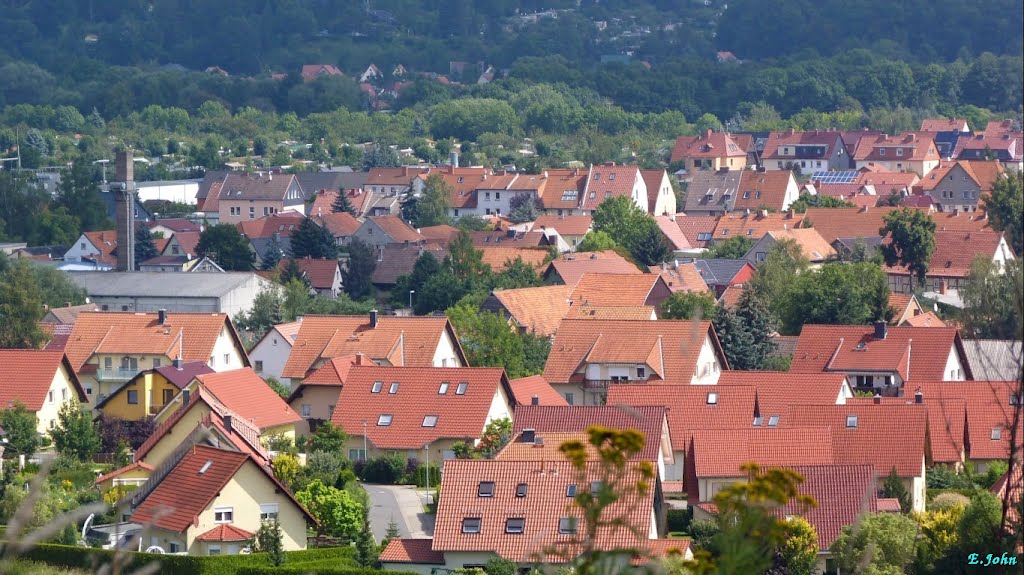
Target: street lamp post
[(412, 291), (364, 440), (426, 469)]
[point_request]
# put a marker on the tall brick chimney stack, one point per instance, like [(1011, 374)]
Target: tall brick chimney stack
[(123, 189)]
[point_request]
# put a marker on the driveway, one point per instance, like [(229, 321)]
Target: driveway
[(401, 504)]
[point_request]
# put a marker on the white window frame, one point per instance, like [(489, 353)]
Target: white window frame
[(222, 511), (269, 512)]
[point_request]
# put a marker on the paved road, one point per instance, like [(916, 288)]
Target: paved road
[(401, 504)]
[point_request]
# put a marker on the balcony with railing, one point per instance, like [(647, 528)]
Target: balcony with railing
[(117, 374)]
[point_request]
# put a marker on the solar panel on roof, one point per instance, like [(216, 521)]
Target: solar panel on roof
[(835, 177)]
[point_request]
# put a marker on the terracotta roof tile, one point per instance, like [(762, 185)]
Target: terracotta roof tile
[(681, 277), (525, 389), (834, 223), (943, 124), (889, 505), (900, 303), (499, 257), (68, 314), (340, 224), (927, 319), (122, 470), (955, 251), (917, 147), (674, 234), (536, 309), (730, 298), (605, 182), (575, 419), (225, 532), (564, 189), (442, 234), (988, 407), (653, 180), (180, 377), (707, 145), (411, 551), (106, 242), (843, 493), (191, 336), (541, 508), (825, 141), (755, 225), (609, 312), (27, 374), (571, 267), (810, 242), (764, 190), (606, 289), (887, 182), (396, 229), (775, 391), (186, 241), (280, 223), (245, 393), (565, 225), (417, 397), (699, 230), (320, 273), (414, 339), (722, 452)]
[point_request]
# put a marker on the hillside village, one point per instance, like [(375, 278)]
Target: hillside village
[(461, 329)]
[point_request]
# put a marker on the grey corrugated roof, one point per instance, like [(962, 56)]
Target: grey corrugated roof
[(160, 284), (994, 359)]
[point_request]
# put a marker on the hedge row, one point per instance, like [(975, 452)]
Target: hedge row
[(91, 559)]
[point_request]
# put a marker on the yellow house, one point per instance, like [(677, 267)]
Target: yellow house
[(41, 381), (150, 391), (213, 501)]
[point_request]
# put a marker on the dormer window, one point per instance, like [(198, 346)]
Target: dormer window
[(377, 386), (881, 151), (899, 151), (485, 489), (851, 421), (611, 177)]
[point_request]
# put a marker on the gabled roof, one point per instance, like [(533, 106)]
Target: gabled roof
[(26, 376), (121, 471), (763, 190), (180, 377), (944, 125), (396, 260), (926, 319), (537, 309), (68, 314), (525, 389), (707, 145), (395, 228), (226, 532), (614, 289), (442, 234), (184, 493), (410, 341), (498, 258), (564, 189), (712, 191), (885, 182), (921, 147), (187, 243), (281, 223), (245, 393), (416, 397), (611, 312), (672, 346), (565, 225), (983, 173), (319, 272), (190, 336), (719, 271), (240, 186), (401, 176), (843, 493), (699, 230), (571, 267), (834, 223), (541, 509), (411, 551), (649, 420), (988, 408), (955, 252), (609, 181), (915, 353), (826, 141), (340, 224), (106, 242), (723, 452), (863, 433), (775, 391), (313, 71), (653, 180), (994, 359), (690, 408), (681, 277), (811, 244), (174, 224), (947, 423), (755, 224)]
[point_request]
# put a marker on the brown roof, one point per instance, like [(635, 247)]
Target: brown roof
[(245, 393), (763, 190), (538, 309), (409, 341), (810, 242), (106, 242), (319, 272), (601, 289), (707, 145), (396, 228), (694, 228), (825, 140), (508, 238), (955, 252), (243, 186), (525, 389), (340, 224), (609, 181), (27, 375), (755, 225), (443, 233), (649, 420), (180, 377), (943, 124), (668, 347), (565, 225), (190, 336), (915, 353), (917, 147), (947, 423), (69, 313), (411, 551), (397, 260), (681, 277), (541, 509), (396, 414), (499, 257), (571, 267), (730, 298)]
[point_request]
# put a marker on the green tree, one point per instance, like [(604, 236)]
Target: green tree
[(1005, 208), (433, 204), (21, 307), (486, 339), (633, 228), (800, 550), (688, 305), (328, 438), (292, 272), (310, 240), (145, 245), (272, 257), (57, 227), (357, 275), (380, 156), (264, 314), (835, 293), (366, 547), (596, 241), (269, 539), (279, 388), (223, 244), (337, 513), (19, 426), (286, 468), (465, 261), (733, 248), (913, 241), (472, 223), (759, 324), (806, 200), (524, 208), (79, 193), (881, 543), (893, 487), (75, 435), (737, 343), (497, 434), (500, 566), (343, 204)]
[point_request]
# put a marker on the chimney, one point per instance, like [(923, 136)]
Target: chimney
[(528, 436), (880, 329), (764, 213), (124, 208), (373, 318), (707, 134), (535, 400), (877, 399), (360, 358), (179, 363), (162, 316), (67, 304), (918, 396)]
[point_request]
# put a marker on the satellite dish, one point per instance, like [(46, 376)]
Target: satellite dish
[(155, 549), (88, 522)]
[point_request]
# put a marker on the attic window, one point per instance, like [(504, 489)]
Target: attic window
[(384, 420), (570, 490), (997, 434), (444, 388), (757, 420), (597, 177), (461, 388), (725, 232), (611, 177), (851, 421), (567, 525), (515, 525), (205, 467), (377, 386), (430, 421), (750, 232), (773, 421), (485, 489), (521, 490), (712, 398), (595, 487), (394, 388), (746, 195), (569, 195), (471, 525), (703, 237)]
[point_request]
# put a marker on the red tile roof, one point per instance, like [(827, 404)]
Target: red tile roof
[(411, 551), (402, 176), (340, 224), (191, 336), (887, 182), (396, 229), (27, 374), (565, 225), (707, 145), (280, 223), (564, 189), (834, 223), (600, 289), (311, 72), (689, 407), (943, 125), (693, 227), (988, 407), (409, 341), (927, 319), (417, 396), (541, 509), (181, 376), (889, 505), (536, 309), (917, 147), (681, 277), (983, 173), (121, 471), (571, 267), (669, 348), (826, 139), (226, 532), (498, 258), (764, 190), (915, 353), (649, 420), (871, 439), (811, 244), (723, 452), (608, 312), (187, 243), (775, 391), (843, 493), (610, 181), (955, 251), (653, 180), (320, 273), (106, 242), (525, 389), (442, 234), (673, 233), (754, 225), (245, 393)]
